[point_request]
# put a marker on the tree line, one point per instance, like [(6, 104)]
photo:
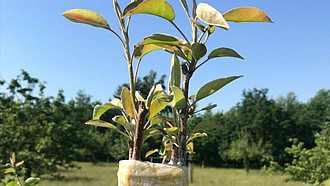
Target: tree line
[(49, 132)]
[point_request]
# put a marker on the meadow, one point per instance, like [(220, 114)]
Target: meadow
[(104, 174)]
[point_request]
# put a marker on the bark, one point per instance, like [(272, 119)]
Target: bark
[(186, 75), (138, 138)]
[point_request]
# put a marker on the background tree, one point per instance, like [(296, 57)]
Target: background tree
[(311, 166)]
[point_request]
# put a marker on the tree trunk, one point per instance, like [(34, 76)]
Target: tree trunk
[(142, 112), (186, 75)]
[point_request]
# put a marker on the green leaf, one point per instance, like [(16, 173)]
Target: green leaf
[(206, 125), (19, 163), (178, 98), (12, 183), (150, 152), (154, 90), (116, 102), (139, 97), (211, 16), (213, 86), (161, 119), (211, 29), (246, 14), (224, 52), (175, 74), (161, 39), (9, 170), (172, 129), (150, 132), (155, 7), (155, 107), (196, 135), (7, 165), (100, 123), (128, 103), (87, 17), (198, 50), (190, 148), (119, 119), (100, 110), (209, 107), (31, 181)]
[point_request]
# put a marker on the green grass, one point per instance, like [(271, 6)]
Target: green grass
[(106, 175)]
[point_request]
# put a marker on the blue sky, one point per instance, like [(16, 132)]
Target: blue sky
[(291, 55)]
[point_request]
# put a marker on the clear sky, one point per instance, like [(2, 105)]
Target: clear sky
[(291, 55)]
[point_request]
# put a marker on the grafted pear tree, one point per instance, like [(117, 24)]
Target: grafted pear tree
[(140, 114)]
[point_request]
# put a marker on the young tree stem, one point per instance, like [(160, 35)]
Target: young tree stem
[(138, 139)]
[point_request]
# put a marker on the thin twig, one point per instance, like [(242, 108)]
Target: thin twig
[(180, 32)]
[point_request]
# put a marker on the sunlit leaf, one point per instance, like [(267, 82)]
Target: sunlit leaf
[(175, 74), (99, 110), (211, 29), (161, 39), (155, 107), (150, 132), (120, 119), (87, 17), (138, 96), (31, 181), (178, 98), (224, 52), (172, 129), (213, 86), (196, 135), (190, 148), (128, 103), (209, 107), (150, 152), (7, 165), (19, 163), (246, 14), (12, 183), (161, 119), (204, 125), (155, 7), (100, 123), (211, 16), (9, 170), (198, 50)]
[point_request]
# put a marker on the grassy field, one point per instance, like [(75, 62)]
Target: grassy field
[(105, 175)]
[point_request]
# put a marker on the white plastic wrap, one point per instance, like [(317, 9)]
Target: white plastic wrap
[(138, 173)]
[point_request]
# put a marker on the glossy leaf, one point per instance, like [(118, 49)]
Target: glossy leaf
[(150, 132), (206, 125), (12, 183), (31, 181), (211, 29), (9, 170), (87, 17), (138, 96), (198, 50), (120, 119), (161, 119), (246, 14), (155, 7), (224, 52), (175, 74), (190, 147), (178, 98), (19, 163), (150, 152), (128, 103), (213, 86), (209, 107), (153, 90), (155, 107), (99, 110), (211, 16), (161, 39), (116, 102), (100, 123), (197, 135), (172, 129)]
